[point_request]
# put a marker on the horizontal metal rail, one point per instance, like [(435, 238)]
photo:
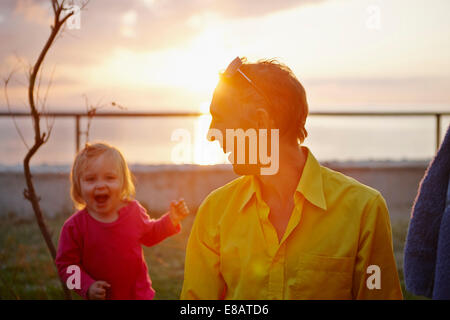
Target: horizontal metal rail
[(78, 115)]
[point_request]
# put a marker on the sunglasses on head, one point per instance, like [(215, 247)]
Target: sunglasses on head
[(234, 67)]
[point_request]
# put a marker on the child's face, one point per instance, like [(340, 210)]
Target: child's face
[(101, 185)]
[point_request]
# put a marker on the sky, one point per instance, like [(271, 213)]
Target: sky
[(165, 55)]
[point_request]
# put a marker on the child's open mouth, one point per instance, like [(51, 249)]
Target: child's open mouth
[(101, 198)]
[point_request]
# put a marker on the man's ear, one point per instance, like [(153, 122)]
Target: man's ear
[(264, 121)]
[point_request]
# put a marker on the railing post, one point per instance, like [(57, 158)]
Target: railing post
[(438, 131), (77, 133)]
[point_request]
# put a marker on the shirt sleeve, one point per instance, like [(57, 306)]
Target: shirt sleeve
[(202, 277), (375, 257), (154, 231), (69, 254)]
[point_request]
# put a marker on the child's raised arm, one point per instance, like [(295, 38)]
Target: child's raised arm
[(154, 231), (178, 211)]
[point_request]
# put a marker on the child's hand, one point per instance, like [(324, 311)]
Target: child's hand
[(97, 290), (178, 211)]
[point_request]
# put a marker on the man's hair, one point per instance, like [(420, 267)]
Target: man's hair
[(288, 105), (92, 151)]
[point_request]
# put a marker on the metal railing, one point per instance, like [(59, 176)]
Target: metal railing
[(78, 115)]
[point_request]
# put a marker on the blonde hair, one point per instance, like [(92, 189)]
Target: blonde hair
[(89, 152)]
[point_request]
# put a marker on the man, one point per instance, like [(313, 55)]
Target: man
[(301, 232)]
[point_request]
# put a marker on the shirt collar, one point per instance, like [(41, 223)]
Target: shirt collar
[(310, 184), (251, 188)]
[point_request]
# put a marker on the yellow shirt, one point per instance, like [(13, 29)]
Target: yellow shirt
[(338, 228)]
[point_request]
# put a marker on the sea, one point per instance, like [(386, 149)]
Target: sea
[(182, 140)]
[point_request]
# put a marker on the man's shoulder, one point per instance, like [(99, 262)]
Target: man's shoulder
[(221, 201), (228, 190), (354, 198), (340, 183)]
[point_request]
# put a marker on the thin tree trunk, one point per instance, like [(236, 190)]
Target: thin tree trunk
[(40, 139)]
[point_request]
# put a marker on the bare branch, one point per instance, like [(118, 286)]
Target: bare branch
[(63, 31), (115, 104), (41, 72), (91, 111), (41, 138), (85, 3), (54, 5), (24, 64), (44, 108), (5, 91), (44, 102), (35, 74), (50, 128)]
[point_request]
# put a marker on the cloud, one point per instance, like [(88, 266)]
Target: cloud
[(128, 28), (253, 8), (137, 25), (34, 11), (144, 26)]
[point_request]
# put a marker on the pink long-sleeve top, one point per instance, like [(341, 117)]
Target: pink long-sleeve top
[(112, 252)]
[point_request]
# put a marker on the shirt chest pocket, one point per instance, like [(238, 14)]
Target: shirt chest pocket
[(321, 277)]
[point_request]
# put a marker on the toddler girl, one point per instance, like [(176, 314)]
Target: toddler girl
[(103, 240)]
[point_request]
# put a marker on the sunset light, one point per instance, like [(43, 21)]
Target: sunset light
[(193, 67), (326, 177), (206, 152), (158, 56)]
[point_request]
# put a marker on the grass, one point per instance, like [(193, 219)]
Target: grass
[(27, 270)]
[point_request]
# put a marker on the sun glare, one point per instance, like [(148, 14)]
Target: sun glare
[(193, 67), (206, 152), (203, 59)]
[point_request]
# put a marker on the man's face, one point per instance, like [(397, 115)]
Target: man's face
[(229, 113)]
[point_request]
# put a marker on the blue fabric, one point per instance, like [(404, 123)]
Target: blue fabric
[(442, 278), (427, 249)]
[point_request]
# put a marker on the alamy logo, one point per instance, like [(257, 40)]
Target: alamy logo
[(374, 280), (258, 147), (74, 280), (74, 21), (373, 21), (257, 141)]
